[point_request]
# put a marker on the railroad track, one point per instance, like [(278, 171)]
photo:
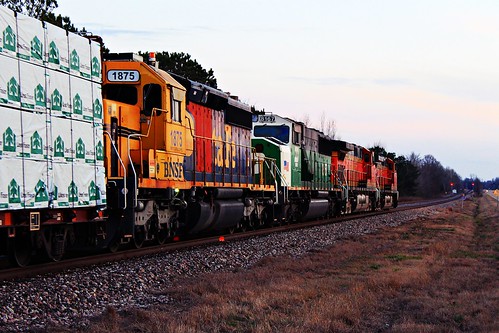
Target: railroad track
[(7, 273)]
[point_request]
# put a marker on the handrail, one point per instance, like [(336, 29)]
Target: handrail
[(121, 162), (138, 135), (278, 172)]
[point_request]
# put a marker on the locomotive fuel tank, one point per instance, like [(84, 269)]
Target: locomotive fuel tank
[(221, 215), (217, 216), (316, 208)]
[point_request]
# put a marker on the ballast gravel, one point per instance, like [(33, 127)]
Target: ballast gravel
[(72, 298)]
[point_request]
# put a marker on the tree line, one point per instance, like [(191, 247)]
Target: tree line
[(427, 177)]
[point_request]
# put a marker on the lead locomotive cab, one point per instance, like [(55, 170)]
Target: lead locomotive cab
[(149, 140)]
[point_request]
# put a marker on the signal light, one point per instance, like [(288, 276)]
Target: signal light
[(176, 238), (221, 239)]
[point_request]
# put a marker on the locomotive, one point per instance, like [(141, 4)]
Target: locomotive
[(128, 153)]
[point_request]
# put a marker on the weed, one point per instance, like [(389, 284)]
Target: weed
[(402, 257)]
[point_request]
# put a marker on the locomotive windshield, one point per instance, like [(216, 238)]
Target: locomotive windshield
[(280, 132), (121, 93)]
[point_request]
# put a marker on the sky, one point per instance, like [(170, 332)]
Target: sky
[(412, 76)]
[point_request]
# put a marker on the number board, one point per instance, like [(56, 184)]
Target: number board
[(123, 75), (266, 119)]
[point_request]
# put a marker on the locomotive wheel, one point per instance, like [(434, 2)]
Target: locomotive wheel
[(114, 245), (139, 237), (162, 236), (55, 244), (20, 249), (264, 218), (289, 216)]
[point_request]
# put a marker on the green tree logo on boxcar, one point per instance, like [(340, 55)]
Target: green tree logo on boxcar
[(77, 104), (99, 151), (40, 96), (80, 149), (41, 194), (36, 143), (9, 39), (59, 147), (72, 192), (56, 100), (13, 90), (93, 191), (36, 48), (9, 140), (14, 192), (74, 61), (55, 193), (97, 109), (95, 67), (54, 54)]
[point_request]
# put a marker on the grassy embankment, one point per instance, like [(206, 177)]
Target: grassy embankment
[(430, 275)]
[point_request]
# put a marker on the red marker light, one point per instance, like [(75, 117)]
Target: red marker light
[(176, 238), (152, 56), (221, 239)]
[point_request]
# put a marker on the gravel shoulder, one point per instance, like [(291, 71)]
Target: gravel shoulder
[(116, 293)]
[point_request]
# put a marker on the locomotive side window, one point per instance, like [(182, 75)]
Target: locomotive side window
[(177, 96), (152, 98), (121, 93), (280, 133), (176, 111), (296, 134)]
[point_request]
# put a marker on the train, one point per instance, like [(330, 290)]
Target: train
[(112, 151)]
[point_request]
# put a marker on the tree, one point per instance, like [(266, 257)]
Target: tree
[(182, 64), (328, 126), (41, 10), (407, 176), (61, 21), (34, 8), (305, 119), (378, 151)]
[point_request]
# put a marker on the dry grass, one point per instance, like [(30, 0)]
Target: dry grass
[(437, 275)]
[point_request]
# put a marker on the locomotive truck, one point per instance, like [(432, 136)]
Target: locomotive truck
[(102, 152)]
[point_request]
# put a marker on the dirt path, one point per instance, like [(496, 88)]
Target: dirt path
[(437, 275)]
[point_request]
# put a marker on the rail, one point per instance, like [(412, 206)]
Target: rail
[(56, 267)]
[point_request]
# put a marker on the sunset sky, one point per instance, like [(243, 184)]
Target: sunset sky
[(413, 76)]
